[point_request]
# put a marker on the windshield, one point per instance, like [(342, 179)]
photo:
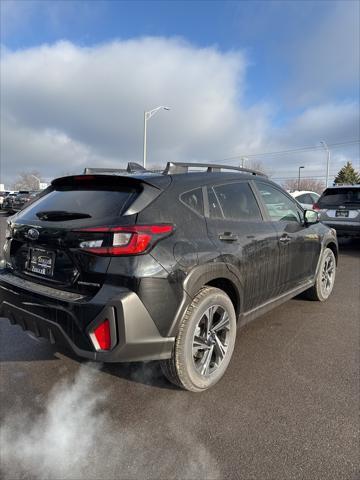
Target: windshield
[(340, 196)]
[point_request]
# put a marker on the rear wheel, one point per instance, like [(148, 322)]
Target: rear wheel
[(205, 343), (325, 278)]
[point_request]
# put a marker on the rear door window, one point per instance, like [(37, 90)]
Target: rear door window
[(233, 201)]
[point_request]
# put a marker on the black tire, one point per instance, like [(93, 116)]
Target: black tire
[(184, 368), (318, 292)]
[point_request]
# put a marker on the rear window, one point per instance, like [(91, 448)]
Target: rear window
[(304, 198), (97, 202), (340, 196)]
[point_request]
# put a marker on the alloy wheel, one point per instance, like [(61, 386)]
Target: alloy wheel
[(328, 275), (211, 340)]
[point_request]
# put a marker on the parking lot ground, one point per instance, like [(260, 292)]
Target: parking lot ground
[(286, 409)]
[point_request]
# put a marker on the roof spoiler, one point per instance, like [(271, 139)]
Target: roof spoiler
[(132, 167)]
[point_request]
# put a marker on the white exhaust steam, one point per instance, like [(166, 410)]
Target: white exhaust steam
[(75, 438)]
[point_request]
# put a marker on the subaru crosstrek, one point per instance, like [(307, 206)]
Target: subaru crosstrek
[(138, 266)]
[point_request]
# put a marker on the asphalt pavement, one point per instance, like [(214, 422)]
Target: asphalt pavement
[(287, 408)]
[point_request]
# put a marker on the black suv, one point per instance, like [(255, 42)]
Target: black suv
[(140, 266)]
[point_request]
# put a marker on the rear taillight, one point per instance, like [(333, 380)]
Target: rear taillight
[(126, 240), (101, 336), (316, 207)]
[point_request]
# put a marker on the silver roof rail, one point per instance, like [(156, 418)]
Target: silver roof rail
[(183, 167)]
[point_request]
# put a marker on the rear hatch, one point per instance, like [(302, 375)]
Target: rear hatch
[(340, 204), (50, 241)]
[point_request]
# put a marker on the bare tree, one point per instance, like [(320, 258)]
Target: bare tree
[(305, 184), (28, 180), (255, 165)]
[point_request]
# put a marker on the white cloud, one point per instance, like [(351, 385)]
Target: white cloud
[(326, 59), (64, 107)]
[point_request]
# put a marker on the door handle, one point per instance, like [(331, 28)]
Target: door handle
[(285, 239), (228, 237)]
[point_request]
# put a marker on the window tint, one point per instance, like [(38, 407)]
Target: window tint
[(237, 201), (194, 200), (96, 203), (279, 206), (305, 198)]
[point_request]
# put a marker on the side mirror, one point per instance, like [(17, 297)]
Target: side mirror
[(311, 217)]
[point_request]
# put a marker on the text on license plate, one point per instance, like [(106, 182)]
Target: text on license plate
[(342, 213), (41, 262)]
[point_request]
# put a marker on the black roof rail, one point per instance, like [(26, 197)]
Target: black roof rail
[(183, 167), (131, 168)]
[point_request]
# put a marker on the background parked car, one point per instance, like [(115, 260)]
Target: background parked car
[(306, 198), (2, 197), (22, 199), (339, 208), (7, 204)]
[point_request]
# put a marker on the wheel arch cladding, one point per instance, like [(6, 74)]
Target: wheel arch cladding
[(215, 275)]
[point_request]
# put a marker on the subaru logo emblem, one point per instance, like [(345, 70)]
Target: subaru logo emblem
[(32, 234)]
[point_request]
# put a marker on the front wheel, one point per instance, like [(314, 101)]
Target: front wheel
[(205, 343), (325, 279)]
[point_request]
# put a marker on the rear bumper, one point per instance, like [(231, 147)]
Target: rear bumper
[(351, 229), (67, 319)]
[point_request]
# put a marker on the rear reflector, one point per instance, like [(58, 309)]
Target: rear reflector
[(101, 336)]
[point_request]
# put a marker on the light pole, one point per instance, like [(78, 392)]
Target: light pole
[(148, 115), (327, 161), (299, 177)]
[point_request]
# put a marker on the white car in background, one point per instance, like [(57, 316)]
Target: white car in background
[(305, 198)]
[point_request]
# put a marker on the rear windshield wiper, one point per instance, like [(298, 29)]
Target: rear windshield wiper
[(54, 215)]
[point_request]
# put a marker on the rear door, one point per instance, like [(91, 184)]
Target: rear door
[(299, 244), (247, 242), (46, 240)]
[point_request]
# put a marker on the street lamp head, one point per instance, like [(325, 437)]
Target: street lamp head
[(167, 108), (302, 167)]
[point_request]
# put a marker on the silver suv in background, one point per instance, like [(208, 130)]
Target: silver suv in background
[(339, 208)]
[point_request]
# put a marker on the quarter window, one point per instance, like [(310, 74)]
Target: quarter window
[(279, 206), (194, 200), (233, 201)]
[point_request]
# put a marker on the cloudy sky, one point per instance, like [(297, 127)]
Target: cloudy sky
[(241, 78)]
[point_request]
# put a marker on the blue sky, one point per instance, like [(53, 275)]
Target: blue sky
[(295, 60), (268, 32)]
